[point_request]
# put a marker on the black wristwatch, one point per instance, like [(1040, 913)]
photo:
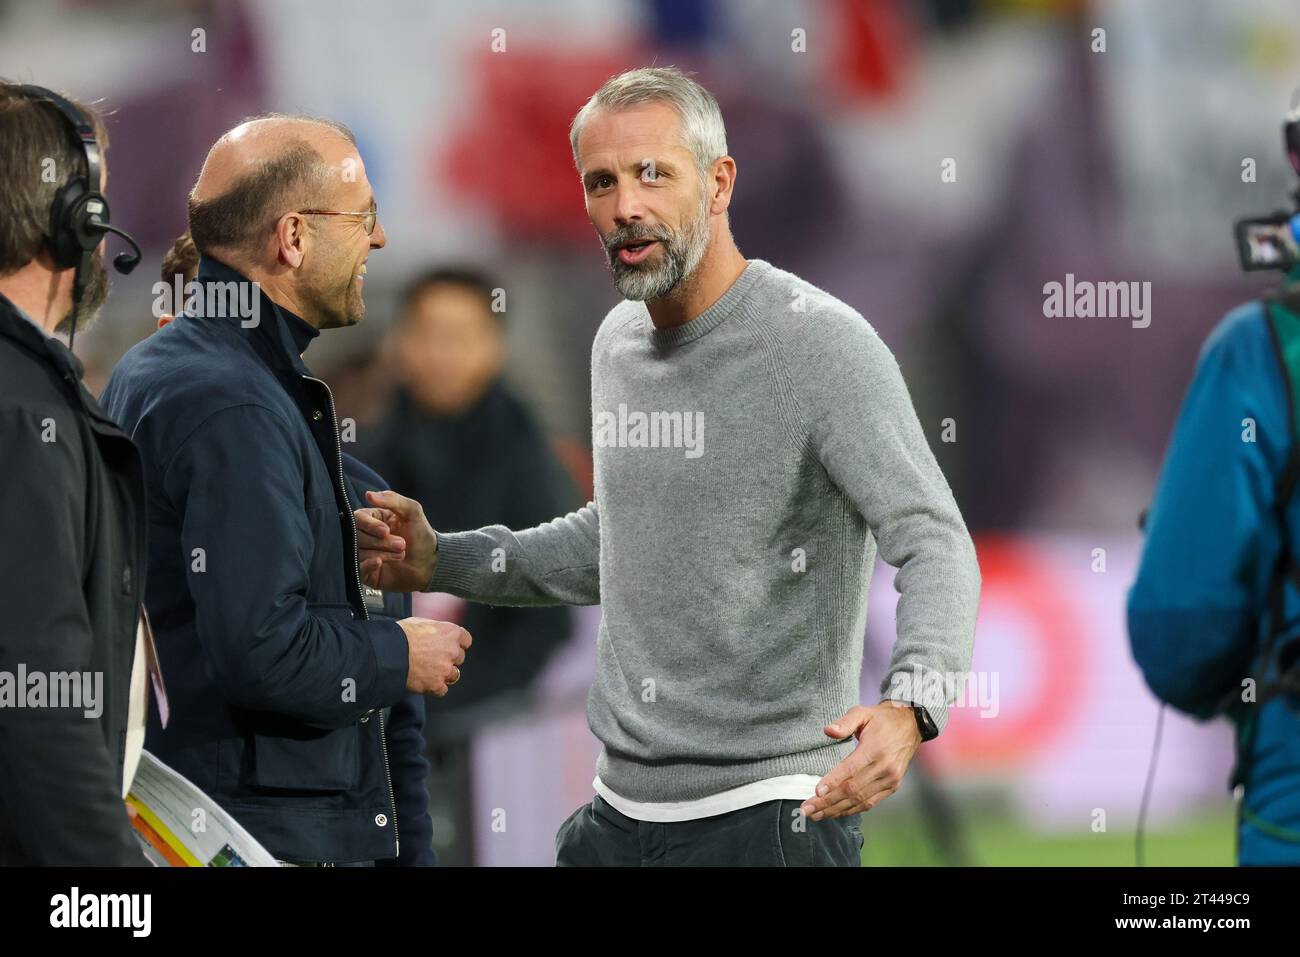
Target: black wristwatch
[(926, 724)]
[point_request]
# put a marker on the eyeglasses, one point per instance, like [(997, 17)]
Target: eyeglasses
[(371, 215)]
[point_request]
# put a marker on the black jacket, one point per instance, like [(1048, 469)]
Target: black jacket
[(72, 561), (276, 673)]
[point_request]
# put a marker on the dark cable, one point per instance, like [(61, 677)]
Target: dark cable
[(1146, 790), (78, 287)]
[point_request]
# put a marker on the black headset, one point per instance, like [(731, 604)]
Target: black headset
[(79, 216)]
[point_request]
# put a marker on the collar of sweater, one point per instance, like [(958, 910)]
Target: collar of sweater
[(714, 316)]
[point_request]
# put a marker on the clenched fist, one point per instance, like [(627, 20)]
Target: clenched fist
[(436, 651)]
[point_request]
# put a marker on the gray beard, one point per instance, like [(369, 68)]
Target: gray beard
[(92, 298), (683, 253)]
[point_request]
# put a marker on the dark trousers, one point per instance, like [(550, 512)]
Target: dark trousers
[(772, 834)]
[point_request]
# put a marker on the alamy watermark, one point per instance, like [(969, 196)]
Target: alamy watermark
[(963, 689), (1083, 299), (212, 300), (82, 690), (649, 430), (74, 909)]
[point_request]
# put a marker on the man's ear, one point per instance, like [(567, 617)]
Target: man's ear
[(723, 182), (291, 239)]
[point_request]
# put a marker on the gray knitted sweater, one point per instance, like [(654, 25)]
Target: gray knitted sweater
[(748, 465)]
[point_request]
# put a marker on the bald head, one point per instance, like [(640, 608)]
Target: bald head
[(258, 171), (251, 146), (286, 203)]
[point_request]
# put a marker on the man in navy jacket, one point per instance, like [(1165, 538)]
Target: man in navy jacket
[(279, 678)]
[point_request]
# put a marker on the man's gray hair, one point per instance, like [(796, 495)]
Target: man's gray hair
[(702, 130)]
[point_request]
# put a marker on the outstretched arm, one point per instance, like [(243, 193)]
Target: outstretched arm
[(556, 563)]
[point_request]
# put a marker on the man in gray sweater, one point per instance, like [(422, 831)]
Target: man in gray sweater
[(754, 445)]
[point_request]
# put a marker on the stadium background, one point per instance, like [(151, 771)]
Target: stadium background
[(1122, 165)]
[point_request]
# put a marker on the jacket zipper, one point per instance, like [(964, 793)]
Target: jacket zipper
[(361, 593)]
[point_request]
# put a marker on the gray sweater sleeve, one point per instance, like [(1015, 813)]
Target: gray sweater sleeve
[(865, 432), (557, 563)]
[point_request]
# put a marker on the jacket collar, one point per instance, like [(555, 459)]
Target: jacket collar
[(279, 335), (17, 327)]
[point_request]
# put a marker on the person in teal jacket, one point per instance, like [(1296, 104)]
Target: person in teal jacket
[(1216, 592)]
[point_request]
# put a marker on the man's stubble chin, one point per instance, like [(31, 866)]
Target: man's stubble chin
[(356, 308), (92, 299), (341, 308)]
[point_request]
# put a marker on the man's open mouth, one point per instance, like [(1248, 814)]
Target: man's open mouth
[(635, 251)]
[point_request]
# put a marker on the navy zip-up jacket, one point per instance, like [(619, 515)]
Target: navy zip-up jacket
[(405, 723), (1197, 612), (274, 668)]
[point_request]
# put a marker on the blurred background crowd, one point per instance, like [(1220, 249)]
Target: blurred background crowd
[(1102, 139)]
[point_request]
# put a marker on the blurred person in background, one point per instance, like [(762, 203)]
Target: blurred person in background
[(755, 444), (405, 720), (283, 677), (458, 440), (72, 515)]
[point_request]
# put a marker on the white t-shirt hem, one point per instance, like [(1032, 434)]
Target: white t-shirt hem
[(787, 787)]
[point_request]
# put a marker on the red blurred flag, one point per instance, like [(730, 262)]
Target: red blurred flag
[(511, 156)]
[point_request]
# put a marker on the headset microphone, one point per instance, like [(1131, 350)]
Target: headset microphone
[(125, 262)]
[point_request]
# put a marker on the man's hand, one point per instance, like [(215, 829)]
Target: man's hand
[(436, 650), (395, 543), (887, 739)]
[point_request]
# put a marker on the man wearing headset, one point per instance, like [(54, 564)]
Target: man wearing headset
[(72, 508)]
